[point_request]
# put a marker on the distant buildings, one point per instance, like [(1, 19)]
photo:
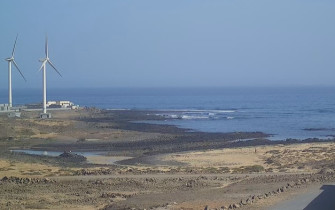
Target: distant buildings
[(62, 104), (50, 104), (4, 108), (14, 112), (54, 104)]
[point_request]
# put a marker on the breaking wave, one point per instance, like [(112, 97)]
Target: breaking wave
[(198, 114)]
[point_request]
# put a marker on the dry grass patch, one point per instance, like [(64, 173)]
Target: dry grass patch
[(20, 169), (289, 158)]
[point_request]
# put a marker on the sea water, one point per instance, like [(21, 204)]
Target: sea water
[(283, 112)]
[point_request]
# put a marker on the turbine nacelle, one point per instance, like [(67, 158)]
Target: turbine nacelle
[(9, 59), (46, 59)]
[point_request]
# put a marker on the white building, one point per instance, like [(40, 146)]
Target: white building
[(61, 104), (49, 103), (65, 104), (75, 107)]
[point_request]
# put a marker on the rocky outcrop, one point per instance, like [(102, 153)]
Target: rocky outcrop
[(72, 157), (102, 171), (114, 195)]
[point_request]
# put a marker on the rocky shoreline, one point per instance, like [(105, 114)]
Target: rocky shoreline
[(159, 139)]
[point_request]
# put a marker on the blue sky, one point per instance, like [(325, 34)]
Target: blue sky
[(171, 43)]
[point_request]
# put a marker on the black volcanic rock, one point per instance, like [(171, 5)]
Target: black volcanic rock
[(73, 157)]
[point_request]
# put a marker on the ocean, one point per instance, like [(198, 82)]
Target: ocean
[(298, 113)]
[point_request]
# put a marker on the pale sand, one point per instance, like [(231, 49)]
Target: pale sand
[(285, 155), (105, 159)]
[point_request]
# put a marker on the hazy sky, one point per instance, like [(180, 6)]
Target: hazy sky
[(181, 43)]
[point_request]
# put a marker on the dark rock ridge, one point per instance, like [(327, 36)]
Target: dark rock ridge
[(73, 157)]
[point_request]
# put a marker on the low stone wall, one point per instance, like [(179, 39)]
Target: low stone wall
[(20, 180)]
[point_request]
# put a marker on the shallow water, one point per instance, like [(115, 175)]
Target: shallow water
[(92, 157)]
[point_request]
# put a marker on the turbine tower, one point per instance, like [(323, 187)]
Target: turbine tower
[(44, 62), (10, 61)]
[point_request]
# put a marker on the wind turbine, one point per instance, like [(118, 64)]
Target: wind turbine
[(44, 62), (10, 61)]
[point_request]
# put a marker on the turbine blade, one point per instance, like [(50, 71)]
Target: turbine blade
[(13, 52), (15, 64), (54, 68), (42, 65), (46, 47)]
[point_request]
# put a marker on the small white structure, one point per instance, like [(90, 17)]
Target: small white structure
[(4, 108), (45, 115), (65, 104), (75, 107), (14, 114), (51, 103)]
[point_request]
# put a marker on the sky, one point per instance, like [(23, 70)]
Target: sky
[(175, 43)]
